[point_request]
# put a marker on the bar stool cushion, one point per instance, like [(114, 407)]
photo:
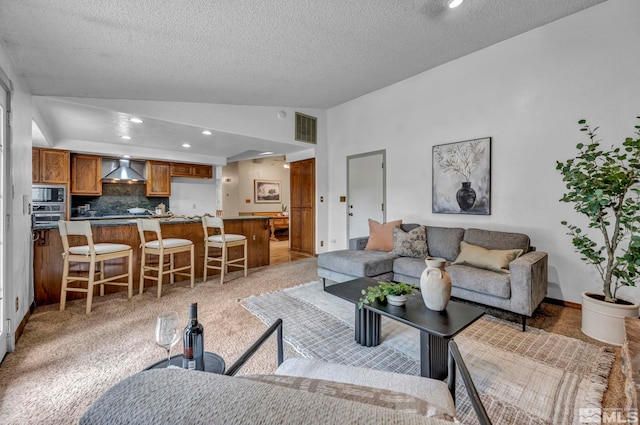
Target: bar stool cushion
[(168, 243), (101, 248), (227, 238)]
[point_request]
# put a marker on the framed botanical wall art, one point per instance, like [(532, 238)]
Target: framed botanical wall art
[(462, 177), (267, 191)]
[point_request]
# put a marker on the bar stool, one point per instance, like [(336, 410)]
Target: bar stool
[(92, 253), (222, 241), (162, 247)]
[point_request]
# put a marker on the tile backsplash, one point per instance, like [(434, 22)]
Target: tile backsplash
[(116, 199)]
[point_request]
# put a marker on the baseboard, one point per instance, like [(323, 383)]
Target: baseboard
[(24, 321), (562, 303)]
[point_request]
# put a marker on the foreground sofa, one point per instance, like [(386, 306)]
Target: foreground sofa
[(302, 391), (519, 289)]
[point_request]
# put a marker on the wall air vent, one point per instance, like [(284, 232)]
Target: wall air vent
[(306, 129)]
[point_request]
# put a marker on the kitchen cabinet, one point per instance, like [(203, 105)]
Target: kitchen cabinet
[(158, 178), (86, 175), (50, 166), (302, 206), (191, 170)]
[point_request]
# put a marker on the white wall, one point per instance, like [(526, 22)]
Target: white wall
[(193, 196), (19, 224), (527, 93), (241, 187)]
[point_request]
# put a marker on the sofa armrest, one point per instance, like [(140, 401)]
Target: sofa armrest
[(528, 281), (358, 243)]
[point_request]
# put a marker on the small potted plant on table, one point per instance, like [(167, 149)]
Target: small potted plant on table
[(604, 185), (395, 293)]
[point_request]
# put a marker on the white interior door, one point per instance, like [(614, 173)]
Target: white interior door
[(3, 193), (365, 192)]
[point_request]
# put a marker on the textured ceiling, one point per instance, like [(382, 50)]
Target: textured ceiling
[(295, 53)]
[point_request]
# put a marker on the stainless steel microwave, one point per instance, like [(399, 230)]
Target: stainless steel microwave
[(48, 194)]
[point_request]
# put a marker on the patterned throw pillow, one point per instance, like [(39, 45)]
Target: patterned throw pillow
[(410, 244)]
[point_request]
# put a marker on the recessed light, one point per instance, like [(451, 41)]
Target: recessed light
[(206, 132), (125, 137), (186, 145), (265, 153), (136, 120), (455, 3), (126, 156)]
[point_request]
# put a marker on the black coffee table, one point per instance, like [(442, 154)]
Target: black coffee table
[(436, 327), (213, 363)]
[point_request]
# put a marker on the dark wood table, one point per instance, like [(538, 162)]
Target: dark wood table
[(213, 363), (436, 327)]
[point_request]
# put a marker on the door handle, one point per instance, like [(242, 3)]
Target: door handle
[(350, 214)]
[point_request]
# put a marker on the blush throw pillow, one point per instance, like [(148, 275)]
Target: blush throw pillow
[(410, 244), (496, 260), (381, 235)]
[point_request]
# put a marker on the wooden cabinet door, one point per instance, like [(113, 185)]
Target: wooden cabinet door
[(35, 165), (86, 175), (54, 166), (158, 179), (202, 171), (180, 170), (302, 207)]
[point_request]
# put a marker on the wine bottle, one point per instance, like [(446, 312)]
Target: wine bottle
[(193, 342)]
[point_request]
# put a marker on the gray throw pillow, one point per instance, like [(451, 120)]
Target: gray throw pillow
[(410, 244)]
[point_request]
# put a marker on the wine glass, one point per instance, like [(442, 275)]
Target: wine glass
[(168, 332)]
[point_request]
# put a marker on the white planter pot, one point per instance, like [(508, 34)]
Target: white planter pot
[(605, 321), (397, 299)]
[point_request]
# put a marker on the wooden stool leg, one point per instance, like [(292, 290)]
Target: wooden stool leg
[(142, 261), (223, 264), (172, 276), (206, 254), (63, 289), (193, 268), (160, 273), (245, 258), (92, 277), (130, 274), (101, 274)]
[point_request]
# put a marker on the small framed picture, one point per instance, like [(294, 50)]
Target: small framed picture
[(267, 191)]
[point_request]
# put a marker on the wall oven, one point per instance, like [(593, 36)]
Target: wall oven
[(49, 204)]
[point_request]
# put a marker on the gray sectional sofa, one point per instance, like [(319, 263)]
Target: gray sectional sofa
[(520, 291)]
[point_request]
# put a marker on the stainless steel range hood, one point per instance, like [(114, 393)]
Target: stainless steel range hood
[(123, 174)]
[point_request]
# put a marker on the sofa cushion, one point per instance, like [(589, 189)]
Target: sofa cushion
[(496, 260), (492, 239), (410, 244), (480, 280), (368, 395), (409, 266), (357, 263), (381, 235), (444, 242)]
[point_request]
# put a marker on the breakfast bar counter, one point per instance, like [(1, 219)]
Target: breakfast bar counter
[(47, 249)]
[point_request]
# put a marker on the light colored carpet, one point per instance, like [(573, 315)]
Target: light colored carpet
[(65, 360), (534, 377)]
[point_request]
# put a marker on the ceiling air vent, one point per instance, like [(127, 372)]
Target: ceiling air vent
[(306, 129)]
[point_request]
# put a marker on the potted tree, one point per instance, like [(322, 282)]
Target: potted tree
[(604, 186)]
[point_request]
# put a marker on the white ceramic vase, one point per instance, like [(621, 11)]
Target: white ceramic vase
[(435, 284), (397, 299), (605, 321)]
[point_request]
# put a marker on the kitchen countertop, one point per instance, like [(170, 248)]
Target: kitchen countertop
[(130, 220)]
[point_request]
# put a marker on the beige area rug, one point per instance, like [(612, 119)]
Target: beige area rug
[(65, 360), (533, 377)]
